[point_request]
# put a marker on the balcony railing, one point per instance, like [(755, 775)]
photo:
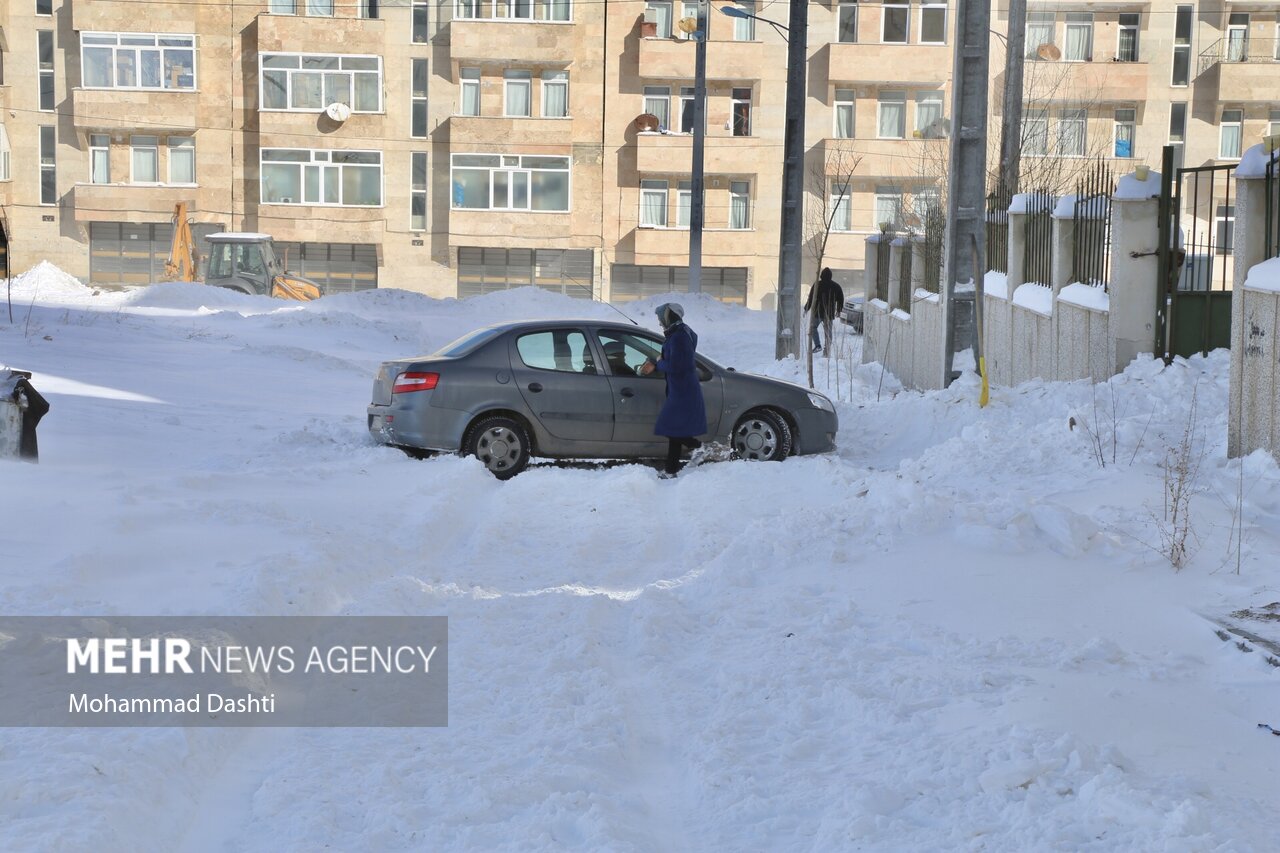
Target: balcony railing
[(1234, 50)]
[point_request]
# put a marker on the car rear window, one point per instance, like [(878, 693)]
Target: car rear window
[(467, 343)]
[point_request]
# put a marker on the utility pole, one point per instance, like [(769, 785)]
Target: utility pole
[(966, 196), (696, 214), (1011, 128), (792, 226)]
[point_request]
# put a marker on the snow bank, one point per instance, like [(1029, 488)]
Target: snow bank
[(46, 281), (1091, 296), (1264, 276), (1036, 297)]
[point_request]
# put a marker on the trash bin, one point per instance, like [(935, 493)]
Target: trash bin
[(21, 408)]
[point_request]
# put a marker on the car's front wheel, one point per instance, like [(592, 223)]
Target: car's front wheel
[(762, 434), (502, 444)]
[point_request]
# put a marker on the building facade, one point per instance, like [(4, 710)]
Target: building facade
[(485, 144)]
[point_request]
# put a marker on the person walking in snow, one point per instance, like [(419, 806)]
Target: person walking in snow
[(824, 304), (684, 414)]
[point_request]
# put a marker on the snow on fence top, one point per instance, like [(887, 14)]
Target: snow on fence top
[(1254, 162), (996, 284), (1035, 297), (1090, 296), (1265, 276), (1132, 189)]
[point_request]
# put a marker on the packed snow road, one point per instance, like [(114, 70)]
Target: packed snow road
[(956, 633)]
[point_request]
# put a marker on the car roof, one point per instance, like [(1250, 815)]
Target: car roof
[(567, 321)]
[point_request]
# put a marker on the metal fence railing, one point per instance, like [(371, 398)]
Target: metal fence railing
[(1240, 47), (905, 290), (1038, 251), (882, 266), (1272, 206), (997, 231), (1091, 216), (935, 231)]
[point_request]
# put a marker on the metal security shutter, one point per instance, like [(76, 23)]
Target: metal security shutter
[(135, 253), (334, 267), (630, 282), (566, 271)]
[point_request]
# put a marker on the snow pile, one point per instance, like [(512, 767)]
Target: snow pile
[(955, 632), (1036, 297), (1254, 162), (1130, 188), (1091, 296), (1264, 276), (996, 284)]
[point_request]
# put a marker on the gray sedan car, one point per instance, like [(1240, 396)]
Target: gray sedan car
[(571, 389)]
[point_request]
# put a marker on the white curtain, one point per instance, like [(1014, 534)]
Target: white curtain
[(684, 204), (1230, 141), (100, 166), (653, 206), (659, 105), (893, 118), (283, 7), (1079, 39), (739, 206), (840, 216), (555, 96), (471, 98), (1237, 41), (844, 121), (518, 98), (1038, 33), (320, 7), (928, 110)]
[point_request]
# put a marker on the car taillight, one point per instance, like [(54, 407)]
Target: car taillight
[(406, 382)]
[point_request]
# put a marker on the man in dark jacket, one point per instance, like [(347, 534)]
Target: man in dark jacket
[(684, 414), (825, 302)]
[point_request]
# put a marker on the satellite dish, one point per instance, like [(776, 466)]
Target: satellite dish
[(338, 112), (1049, 52), (647, 122), (688, 26)]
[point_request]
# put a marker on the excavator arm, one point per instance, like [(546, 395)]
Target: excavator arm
[(181, 265)]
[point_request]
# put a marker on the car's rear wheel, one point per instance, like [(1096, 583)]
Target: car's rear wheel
[(502, 444), (762, 434)]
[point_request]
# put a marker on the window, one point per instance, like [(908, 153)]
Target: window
[(1229, 142), (740, 204), (144, 158), (1078, 38), (653, 204), (48, 165), (742, 112), (320, 8), (310, 82), (1238, 37), (847, 22), (368, 8), (888, 207), (468, 10), (1072, 126), (6, 173), (421, 34), (684, 204), (44, 7), (688, 9), (182, 160), (518, 90), (1127, 39), (510, 182), (895, 21), (1224, 228), (925, 202), (929, 115), (891, 115), (99, 158), (418, 191), (1035, 134), (554, 10), (555, 94), (44, 51), (1126, 122), (933, 22), (846, 100), (305, 176), (840, 212), (520, 10), (470, 79), (282, 7), (1182, 46), (686, 109), (418, 99), (659, 11), (657, 102), (560, 349), (1039, 32), (138, 61), (1177, 131), (744, 29)]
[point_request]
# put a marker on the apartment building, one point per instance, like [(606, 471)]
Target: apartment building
[(486, 144)]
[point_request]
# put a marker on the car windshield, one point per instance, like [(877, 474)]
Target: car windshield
[(467, 343)]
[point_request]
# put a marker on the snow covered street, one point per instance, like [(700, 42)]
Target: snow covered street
[(955, 633)]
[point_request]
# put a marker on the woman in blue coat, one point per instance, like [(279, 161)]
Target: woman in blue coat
[(683, 415)]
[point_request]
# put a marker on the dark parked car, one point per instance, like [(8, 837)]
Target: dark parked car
[(571, 389)]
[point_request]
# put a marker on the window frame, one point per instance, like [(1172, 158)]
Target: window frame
[(1117, 124), (893, 195), (510, 76), (1223, 124), (927, 6), (176, 144), (466, 81), (903, 6), (136, 146), (851, 103), (520, 166), (1073, 115), (1182, 13), (841, 8), (418, 190), (656, 187), (1039, 118), (322, 163), (6, 155), (932, 96), (48, 165), (881, 100), (646, 94), (736, 101), (1079, 23), (540, 11), (1039, 21), (46, 72), (552, 78), (1121, 29), (290, 73), (97, 145), (840, 203), (744, 29), (737, 191), (417, 101), (420, 27)]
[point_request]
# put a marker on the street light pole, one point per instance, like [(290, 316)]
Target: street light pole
[(696, 213), (791, 232)]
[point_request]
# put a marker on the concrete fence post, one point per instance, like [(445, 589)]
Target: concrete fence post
[(897, 287), (1017, 274), (873, 326), (871, 267), (1134, 290), (917, 266), (1064, 247), (1255, 397)]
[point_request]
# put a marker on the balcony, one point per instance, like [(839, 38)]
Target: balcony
[(111, 17), (519, 229), (1245, 71), (720, 247), (322, 35), (131, 109), (672, 153), (883, 158), (541, 42), (131, 202), (1099, 82), (672, 59), (888, 64), (465, 132)]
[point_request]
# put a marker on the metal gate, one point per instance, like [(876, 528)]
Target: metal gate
[(1197, 225)]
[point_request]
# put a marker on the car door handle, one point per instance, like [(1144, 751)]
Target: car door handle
[(535, 387), (627, 392)]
